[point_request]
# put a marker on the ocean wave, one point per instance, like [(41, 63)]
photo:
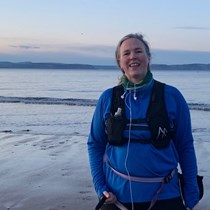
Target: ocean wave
[(76, 102), (199, 106), (49, 101)]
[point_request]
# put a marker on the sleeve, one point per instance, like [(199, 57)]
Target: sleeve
[(97, 141), (185, 148)]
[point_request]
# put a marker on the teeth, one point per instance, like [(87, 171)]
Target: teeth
[(134, 64)]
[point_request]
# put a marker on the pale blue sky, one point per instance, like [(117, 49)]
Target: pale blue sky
[(87, 31)]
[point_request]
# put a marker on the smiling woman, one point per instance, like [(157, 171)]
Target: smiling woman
[(140, 132)]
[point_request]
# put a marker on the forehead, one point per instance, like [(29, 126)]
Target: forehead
[(131, 44)]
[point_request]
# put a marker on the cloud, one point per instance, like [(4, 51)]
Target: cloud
[(94, 50), (192, 28), (58, 57), (160, 56), (93, 54), (59, 52), (26, 47), (76, 48)]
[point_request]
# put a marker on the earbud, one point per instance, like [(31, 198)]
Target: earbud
[(123, 95), (134, 96)]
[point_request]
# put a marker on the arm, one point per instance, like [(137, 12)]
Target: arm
[(97, 141), (185, 148)]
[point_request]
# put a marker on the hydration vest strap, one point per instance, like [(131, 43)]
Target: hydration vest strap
[(157, 117), (140, 179), (162, 180), (120, 205)]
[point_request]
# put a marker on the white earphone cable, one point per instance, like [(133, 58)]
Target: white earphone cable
[(128, 147)]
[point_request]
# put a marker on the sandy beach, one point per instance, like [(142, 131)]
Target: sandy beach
[(43, 172), (51, 172)]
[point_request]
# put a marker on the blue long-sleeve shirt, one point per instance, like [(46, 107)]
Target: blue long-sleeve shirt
[(143, 160)]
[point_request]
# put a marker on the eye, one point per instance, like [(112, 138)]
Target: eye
[(139, 51), (126, 53)]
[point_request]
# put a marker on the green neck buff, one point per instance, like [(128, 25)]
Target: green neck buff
[(128, 84)]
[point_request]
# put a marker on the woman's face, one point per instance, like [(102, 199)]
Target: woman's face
[(133, 59)]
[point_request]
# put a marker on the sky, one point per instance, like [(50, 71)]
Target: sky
[(87, 31)]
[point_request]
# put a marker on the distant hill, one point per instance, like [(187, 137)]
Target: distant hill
[(193, 66), (31, 65)]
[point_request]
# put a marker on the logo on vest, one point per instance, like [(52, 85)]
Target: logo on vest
[(162, 133)]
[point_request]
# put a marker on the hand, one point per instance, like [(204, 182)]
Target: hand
[(111, 198)]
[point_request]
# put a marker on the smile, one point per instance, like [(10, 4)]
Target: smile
[(134, 64)]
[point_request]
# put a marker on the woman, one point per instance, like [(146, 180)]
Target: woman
[(132, 173)]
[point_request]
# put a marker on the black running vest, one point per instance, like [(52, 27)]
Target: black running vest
[(156, 117)]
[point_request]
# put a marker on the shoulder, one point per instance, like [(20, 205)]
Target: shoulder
[(106, 94), (173, 91), (104, 100), (169, 90), (173, 96)]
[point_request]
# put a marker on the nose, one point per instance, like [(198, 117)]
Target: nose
[(133, 55)]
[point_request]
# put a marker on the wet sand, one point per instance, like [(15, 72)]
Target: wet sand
[(51, 172), (43, 172)]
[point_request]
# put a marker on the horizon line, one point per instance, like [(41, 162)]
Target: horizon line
[(63, 63)]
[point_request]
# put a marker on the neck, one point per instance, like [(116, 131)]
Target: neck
[(129, 84), (136, 81)]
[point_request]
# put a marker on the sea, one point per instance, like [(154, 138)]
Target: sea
[(62, 102)]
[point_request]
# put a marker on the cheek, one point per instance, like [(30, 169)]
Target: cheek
[(122, 64), (124, 61), (144, 59)]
